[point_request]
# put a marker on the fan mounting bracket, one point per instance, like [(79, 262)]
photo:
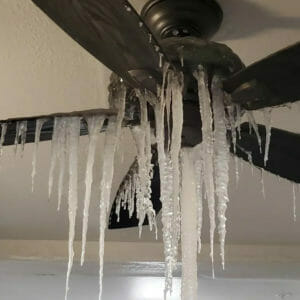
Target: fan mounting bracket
[(178, 18)]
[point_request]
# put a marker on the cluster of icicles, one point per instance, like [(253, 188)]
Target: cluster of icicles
[(188, 176)]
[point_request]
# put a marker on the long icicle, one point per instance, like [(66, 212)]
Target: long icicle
[(221, 160), (252, 124), (112, 137), (38, 127), (208, 165), (73, 143), (95, 124)]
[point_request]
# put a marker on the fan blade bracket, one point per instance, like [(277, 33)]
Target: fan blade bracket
[(253, 95)]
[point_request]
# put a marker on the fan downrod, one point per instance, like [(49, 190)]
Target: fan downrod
[(179, 18)]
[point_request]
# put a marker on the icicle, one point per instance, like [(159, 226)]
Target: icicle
[(17, 137), (189, 232), (294, 201), (95, 124), (238, 119), (252, 124), (38, 127), (262, 181), (231, 112), (208, 166), (3, 134), (237, 175), (73, 141), (221, 159), (54, 149), (61, 155), (23, 134), (176, 85), (198, 171), (112, 137), (268, 124)]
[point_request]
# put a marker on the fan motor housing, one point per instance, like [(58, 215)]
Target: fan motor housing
[(178, 18)]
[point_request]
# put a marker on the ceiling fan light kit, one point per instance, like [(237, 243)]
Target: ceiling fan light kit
[(183, 97)]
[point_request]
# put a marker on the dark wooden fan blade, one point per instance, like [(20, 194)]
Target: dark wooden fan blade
[(269, 82), (284, 154), (127, 222), (47, 129), (111, 31)]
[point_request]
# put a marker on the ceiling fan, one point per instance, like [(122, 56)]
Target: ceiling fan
[(134, 47)]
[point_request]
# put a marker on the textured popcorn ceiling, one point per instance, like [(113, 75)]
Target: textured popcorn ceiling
[(44, 71)]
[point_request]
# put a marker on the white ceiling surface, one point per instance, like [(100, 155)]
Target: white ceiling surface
[(45, 280), (44, 71)]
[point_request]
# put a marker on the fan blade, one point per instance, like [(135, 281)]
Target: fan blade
[(284, 154), (112, 32), (47, 129), (125, 221), (269, 82)]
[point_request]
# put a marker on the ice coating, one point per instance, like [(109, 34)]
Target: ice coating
[(221, 160), (189, 229), (111, 140), (95, 124), (208, 151), (268, 123), (38, 127), (73, 132), (2, 139), (232, 121)]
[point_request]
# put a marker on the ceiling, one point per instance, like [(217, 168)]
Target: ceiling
[(44, 71)]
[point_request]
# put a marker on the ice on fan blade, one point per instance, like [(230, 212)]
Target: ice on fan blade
[(198, 173), (208, 149), (111, 140), (294, 201), (2, 139), (189, 229), (38, 127), (95, 124), (252, 124), (268, 124), (221, 159), (73, 132), (142, 139)]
